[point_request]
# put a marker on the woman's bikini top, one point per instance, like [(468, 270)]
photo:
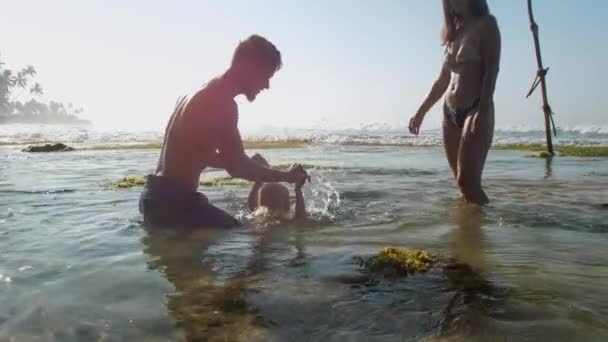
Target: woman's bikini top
[(469, 51)]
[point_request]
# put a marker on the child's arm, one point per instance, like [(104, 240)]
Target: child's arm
[(300, 205), (253, 200), (254, 196), (300, 209)]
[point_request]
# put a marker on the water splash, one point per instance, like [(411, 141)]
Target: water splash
[(323, 199), (322, 203)]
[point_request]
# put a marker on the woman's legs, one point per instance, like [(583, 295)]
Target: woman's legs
[(451, 143), (472, 155)]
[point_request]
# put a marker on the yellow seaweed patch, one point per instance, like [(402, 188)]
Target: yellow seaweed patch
[(399, 261), (541, 154), (225, 181), (134, 181), (128, 182), (567, 151), (138, 146)]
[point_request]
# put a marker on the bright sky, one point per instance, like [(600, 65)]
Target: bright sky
[(347, 62)]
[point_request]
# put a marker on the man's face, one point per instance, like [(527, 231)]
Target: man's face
[(258, 79)]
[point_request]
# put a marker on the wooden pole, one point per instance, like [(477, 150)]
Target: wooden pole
[(540, 79)]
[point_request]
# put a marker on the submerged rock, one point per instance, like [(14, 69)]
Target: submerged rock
[(468, 301), (541, 154), (128, 182), (399, 261), (58, 147)]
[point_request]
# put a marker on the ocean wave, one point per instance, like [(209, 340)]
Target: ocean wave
[(367, 135), (579, 130)]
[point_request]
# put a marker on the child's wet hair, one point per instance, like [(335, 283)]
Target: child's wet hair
[(275, 197)]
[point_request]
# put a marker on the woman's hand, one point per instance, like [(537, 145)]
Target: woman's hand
[(479, 121), (415, 123)]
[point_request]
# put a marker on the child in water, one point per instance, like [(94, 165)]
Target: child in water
[(273, 198)]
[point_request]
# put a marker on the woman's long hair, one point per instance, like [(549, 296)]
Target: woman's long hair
[(479, 8)]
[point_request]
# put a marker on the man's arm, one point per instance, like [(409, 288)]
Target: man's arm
[(215, 161), (233, 157)]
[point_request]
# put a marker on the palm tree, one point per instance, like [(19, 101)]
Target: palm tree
[(21, 80), (7, 77), (29, 70), (36, 89), (6, 83), (18, 107)]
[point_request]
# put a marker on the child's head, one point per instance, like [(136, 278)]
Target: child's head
[(275, 197)]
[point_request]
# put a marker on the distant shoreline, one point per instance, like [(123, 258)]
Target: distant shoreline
[(8, 120), (535, 149)]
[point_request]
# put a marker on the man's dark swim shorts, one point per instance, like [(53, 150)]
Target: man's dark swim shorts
[(163, 203)]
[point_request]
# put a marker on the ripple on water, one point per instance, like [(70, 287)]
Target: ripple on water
[(95, 271)]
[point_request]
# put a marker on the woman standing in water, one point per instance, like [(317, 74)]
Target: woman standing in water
[(467, 78)]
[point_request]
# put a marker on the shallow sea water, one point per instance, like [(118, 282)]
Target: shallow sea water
[(76, 263)]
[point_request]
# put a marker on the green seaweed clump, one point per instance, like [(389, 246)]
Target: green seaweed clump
[(57, 147), (128, 182), (541, 154), (276, 144), (583, 151), (399, 261), (117, 147), (563, 151)]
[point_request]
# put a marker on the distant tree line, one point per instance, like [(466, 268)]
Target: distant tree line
[(13, 83)]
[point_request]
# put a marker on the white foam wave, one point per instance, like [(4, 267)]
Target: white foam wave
[(22, 133), (580, 129), (370, 134)]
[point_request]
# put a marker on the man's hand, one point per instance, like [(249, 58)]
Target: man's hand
[(260, 160), (300, 209), (299, 175)]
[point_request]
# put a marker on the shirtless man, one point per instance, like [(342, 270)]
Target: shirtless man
[(203, 132)]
